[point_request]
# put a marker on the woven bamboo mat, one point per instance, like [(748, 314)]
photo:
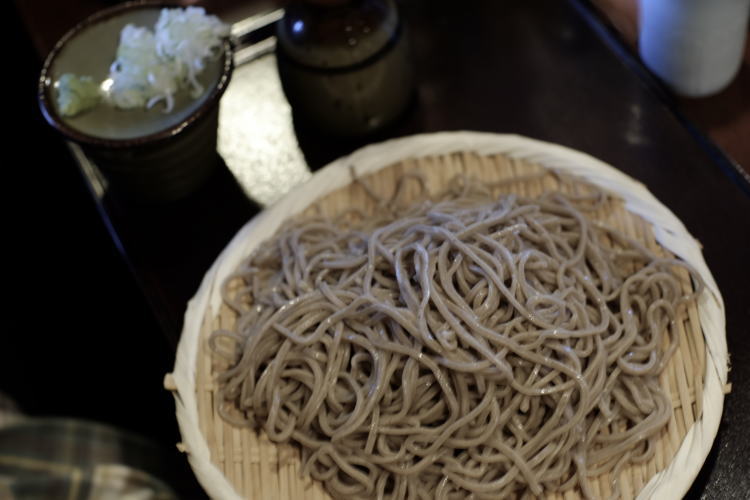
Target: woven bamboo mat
[(259, 469)]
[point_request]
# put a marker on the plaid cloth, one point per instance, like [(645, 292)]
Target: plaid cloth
[(75, 460)]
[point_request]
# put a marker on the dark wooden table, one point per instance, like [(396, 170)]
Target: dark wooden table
[(544, 68), (724, 116)]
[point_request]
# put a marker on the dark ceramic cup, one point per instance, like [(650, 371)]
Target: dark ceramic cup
[(344, 64), (145, 154)]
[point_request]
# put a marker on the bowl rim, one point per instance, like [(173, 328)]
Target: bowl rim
[(45, 98), (676, 476)]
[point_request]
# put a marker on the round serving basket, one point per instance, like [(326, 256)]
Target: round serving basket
[(239, 463)]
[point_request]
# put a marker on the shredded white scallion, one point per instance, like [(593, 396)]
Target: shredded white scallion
[(152, 66), (188, 37)]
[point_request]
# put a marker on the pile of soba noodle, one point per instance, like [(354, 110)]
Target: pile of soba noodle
[(468, 345)]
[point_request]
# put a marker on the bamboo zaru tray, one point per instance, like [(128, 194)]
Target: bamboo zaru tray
[(239, 463)]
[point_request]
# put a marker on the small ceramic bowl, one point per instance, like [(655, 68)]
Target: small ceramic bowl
[(145, 154)]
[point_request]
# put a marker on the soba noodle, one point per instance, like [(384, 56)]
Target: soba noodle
[(468, 345)]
